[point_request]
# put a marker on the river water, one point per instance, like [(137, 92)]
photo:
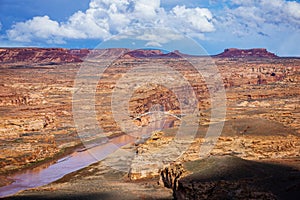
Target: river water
[(50, 172)]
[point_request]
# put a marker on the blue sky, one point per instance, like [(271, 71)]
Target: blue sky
[(213, 24)]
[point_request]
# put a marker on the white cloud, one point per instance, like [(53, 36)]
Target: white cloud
[(244, 18), (258, 23), (293, 9), (259, 12), (146, 9), (105, 18), (193, 18), (157, 35), (153, 44), (41, 27), (242, 2)]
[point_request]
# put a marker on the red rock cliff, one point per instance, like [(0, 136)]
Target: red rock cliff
[(38, 55), (246, 53)]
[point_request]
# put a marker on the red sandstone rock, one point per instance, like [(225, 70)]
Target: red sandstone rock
[(149, 53), (246, 53), (141, 53), (38, 55)]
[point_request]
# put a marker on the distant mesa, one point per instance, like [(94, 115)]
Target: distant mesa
[(61, 55), (143, 53), (38, 55), (156, 53), (228, 53), (246, 53), (151, 53)]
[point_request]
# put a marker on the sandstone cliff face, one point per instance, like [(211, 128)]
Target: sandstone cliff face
[(140, 53), (60, 55), (37, 55), (53, 55), (148, 54), (246, 53)]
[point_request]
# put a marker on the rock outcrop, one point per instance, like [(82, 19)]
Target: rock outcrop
[(230, 177), (39, 55), (60, 55), (143, 53), (152, 53), (246, 53)]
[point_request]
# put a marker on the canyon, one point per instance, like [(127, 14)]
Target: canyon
[(261, 128)]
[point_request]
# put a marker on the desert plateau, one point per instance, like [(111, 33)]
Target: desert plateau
[(43, 156)]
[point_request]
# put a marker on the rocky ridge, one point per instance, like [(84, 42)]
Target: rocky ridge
[(38, 55), (61, 55), (228, 177), (246, 53)]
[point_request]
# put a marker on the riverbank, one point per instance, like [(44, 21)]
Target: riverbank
[(4, 180), (113, 177), (50, 172), (101, 180), (225, 175), (69, 149)]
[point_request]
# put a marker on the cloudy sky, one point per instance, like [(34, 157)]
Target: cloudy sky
[(214, 24)]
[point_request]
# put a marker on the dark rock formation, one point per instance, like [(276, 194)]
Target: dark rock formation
[(232, 178), (170, 175), (246, 53)]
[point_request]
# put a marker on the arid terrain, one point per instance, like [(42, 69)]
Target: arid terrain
[(257, 155)]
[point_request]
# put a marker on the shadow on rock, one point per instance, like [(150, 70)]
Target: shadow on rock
[(230, 177)]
